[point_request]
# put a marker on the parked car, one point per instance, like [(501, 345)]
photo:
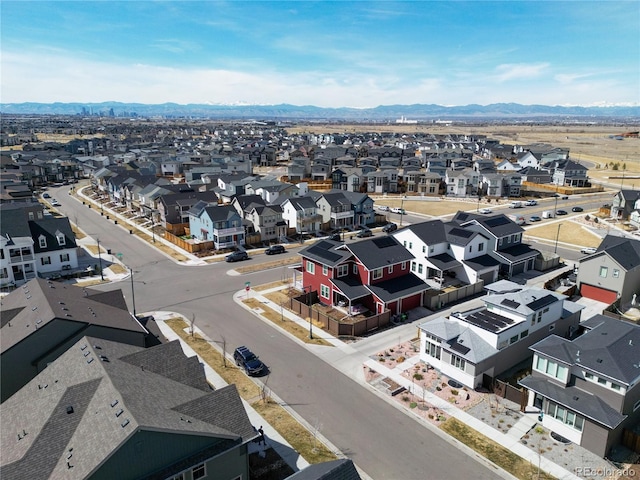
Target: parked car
[(398, 210), (46, 195), (389, 227), (561, 212), (383, 208), (237, 256), (577, 209), (54, 202), (530, 203), (588, 250), (246, 359), (274, 250), (485, 210), (365, 232), (534, 218), (336, 237)]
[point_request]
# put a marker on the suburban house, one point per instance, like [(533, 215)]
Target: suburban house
[(267, 221), (362, 205), (461, 182), (220, 224), (43, 318), (587, 389), (371, 275), (32, 244), (505, 241), (475, 346), (613, 272), (105, 410), (301, 214), (336, 210), (624, 203), (570, 174), (347, 178), (173, 209), (447, 250)]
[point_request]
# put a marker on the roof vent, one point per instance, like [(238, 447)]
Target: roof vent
[(69, 410), (125, 423), (61, 303), (599, 360), (83, 346), (68, 315), (87, 353), (630, 342), (90, 359), (97, 347), (576, 398), (114, 403), (119, 412), (104, 358)]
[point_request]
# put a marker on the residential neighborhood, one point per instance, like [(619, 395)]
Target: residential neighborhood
[(488, 305)]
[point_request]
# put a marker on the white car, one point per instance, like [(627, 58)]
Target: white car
[(485, 210), (588, 250), (383, 208), (530, 203), (54, 203)]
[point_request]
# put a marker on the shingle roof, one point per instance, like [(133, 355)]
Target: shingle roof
[(431, 232), (399, 287), (326, 252), (123, 398), (380, 252), (625, 251), (341, 469)]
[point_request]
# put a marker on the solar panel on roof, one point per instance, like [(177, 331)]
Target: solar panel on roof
[(459, 232), (384, 242), (509, 303), (457, 347), (318, 251), (497, 221), (541, 302)]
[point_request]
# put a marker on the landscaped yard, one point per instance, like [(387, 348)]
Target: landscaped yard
[(570, 232)]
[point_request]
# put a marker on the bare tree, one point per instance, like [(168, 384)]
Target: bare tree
[(224, 351), (264, 391), (192, 324)]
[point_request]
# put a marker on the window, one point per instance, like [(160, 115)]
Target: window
[(355, 269), (325, 270), (636, 405), (43, 242), (513, 339), (616, 273), (431, 249), (480, 247), (588, 375), (60, 238), (64, 257), (390, 269), (311, 268), (603, 271), (419, 268), (410, 245), (615, 386), (377, 273), (470, 248), (458, 362), (31, 216), (552, 328), (180, 476), (413, 266), (551, 368), (567, 417), (343, 270), (199, 471), (524, 334), (432, 350), (324, 291), (403, 265), (45, 260), (602, 381)]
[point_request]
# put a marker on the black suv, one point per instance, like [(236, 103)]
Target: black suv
[(246, 359), (237, 256), (390, 227), (274, 249), (365, 232)]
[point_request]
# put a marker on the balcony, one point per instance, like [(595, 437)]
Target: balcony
[(340, 215), (228, 232), (21, 258)]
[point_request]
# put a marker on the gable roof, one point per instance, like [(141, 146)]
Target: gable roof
[(127, 389), (625, 251), (499, 225), (326, 252), (378, 252)]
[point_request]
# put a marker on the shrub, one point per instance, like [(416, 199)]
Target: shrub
[(587, 218), (391, 350), (418, 376), (381, 359), (400, 359), (454, 391), (413, 405), (438, 388), (405, 398), (501, 420), (430, 417), (441, 418)]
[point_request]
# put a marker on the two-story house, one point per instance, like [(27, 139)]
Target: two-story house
[(475, 346), (570, 173), (587, 389), (347, 178), (624, 203), (505, 241), (335, 209), (613, 272), (173, 209), (220, 224), (370, 275), (301, 214)]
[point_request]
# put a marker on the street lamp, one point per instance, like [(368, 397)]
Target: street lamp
[(555, 250), (100, 260), (309, 307), (133, 292), (401, 209)]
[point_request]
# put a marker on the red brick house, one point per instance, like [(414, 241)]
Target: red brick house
[(371, 275)]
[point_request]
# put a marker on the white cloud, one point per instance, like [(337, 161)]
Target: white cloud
[(517, 71)]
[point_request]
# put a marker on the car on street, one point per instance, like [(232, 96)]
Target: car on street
[(46, 195), (485, 210), (530, 203), (248, 361), (577, 209), (383, 208), (561, 212), (54, 202), (274, 250), (398, 210), (390, 227), (365, 232), (336, 237), (588, 250), (534, 218), (237, 256)]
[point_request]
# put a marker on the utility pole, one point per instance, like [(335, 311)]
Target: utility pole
[(555, 250), (100, 260)]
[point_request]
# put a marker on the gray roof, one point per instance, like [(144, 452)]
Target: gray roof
[(586, 404), (351, 287), (460, 339), (431, 232), (498, 225), (444, 261), (378, 252), (326, 252), (91, 402), (610, 348), (399, 287), (526, 301), (48, 228), (28, 309), (625, 251), (341, 469)]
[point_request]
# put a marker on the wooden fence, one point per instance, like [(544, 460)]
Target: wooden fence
[(436, 302), (631, 440), (303, 306), (190, 247)]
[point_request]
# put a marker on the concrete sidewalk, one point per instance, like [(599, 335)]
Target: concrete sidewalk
[(349, 359)]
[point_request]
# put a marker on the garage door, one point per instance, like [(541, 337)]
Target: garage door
[(598, 293), (518, 268), (488, 277)]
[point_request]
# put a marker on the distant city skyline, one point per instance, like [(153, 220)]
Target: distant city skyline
[(329, 54)]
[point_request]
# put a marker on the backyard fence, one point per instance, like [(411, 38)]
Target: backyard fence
[(436, 302)]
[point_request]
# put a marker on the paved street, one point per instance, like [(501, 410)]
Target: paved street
[(382, 440)]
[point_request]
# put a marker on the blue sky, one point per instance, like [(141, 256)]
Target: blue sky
[(329, 54)]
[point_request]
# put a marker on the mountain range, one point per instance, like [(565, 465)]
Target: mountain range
[(283, 112)]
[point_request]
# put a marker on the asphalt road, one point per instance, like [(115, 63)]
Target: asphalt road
[(382, 440)]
